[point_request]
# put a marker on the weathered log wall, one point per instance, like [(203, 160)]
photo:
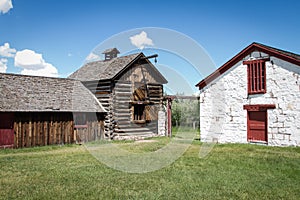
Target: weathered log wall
[(47, 128), (103, 92), (140, 72), (125, 95), (91, 132), (40, 129), (137, 85)]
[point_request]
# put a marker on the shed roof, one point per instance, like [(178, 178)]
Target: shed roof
[(281, 54), (41, 94), (109, 69)]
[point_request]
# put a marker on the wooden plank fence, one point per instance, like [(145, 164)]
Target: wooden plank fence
[(40, 129), (48, 128)]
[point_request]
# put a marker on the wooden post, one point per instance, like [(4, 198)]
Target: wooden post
[(33, 143), (59, 131), (169, 116), (53, 132), (38, 135), (16, 135), (71, 129), (46, 133), (63, 132), (19, 133), (29, 132), (25, 133)]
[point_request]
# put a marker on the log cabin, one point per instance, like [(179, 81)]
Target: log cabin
[(130, 88)]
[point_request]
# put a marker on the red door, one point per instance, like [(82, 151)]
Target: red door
[(6, 130), (257, 126)]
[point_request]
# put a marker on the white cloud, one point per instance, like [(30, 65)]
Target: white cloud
[(28, 59), (92, 57), (5, 6), (141, 40), (6, 51), (70, 55), (3, 65), (34, 64), (49, 70)]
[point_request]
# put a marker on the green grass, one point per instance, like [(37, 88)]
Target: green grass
[(231, 171)]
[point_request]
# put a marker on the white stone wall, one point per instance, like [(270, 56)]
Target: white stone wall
[(223, 119), (161, 123)]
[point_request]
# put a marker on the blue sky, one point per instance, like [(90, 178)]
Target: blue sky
[(64, 32)]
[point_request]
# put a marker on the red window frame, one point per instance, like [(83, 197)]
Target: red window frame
[(256, 75)]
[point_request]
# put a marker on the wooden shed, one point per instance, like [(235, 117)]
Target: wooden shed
[(130, 88), (37, 111)]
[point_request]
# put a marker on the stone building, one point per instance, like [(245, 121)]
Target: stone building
[(253, 98)]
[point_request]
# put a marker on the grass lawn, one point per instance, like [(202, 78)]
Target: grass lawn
[(231, 171)]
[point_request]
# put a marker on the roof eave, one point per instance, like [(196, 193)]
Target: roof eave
[(164, 80), (126, 67), (132, 61), (240, 56)]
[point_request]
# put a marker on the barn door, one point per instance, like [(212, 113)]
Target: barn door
[(6, 130), (257, 126)]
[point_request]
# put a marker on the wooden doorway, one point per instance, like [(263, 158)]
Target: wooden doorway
[(6, 130), (257, 126)]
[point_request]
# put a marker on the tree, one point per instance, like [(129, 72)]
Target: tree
[(185, 112)]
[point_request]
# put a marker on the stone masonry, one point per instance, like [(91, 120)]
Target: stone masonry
[(223, 119)]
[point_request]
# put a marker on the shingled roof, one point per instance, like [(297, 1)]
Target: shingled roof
[(102, 69), (271, 51), (41, 94)]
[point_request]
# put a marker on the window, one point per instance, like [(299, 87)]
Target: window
[(80, 120), (138, 114), (256, 76)]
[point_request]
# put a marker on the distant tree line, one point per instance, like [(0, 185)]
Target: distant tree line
[(185, 112)]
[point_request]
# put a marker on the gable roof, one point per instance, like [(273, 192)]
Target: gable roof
[(45, 94), (109, 69), (103, 69), (271, 51)]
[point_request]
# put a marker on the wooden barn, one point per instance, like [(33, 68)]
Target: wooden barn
[(253, 98), (130, 89), (37, 111)]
